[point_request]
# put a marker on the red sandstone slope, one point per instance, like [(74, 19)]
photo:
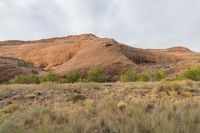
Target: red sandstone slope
[(84, 51), (184, 57)]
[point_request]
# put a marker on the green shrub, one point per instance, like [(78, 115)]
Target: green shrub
[(73, 77), (25, 79), (129, 76), (95, 75), (190, 73), (144, 77), (50, 77), (159, 75)]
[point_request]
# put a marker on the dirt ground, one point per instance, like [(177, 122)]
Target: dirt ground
[(50, 94)]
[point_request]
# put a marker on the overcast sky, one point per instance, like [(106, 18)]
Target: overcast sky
[(140, 23)]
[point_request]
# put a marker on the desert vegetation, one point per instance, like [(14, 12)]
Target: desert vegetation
[(102, 108), (72, 77), (50, 77), (95, 74), (129, 76), (133, 76), (22, 79), (191, 73), (92, 106), (159, 75)]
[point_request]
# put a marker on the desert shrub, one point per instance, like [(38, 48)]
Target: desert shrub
[(10, 108), (77, 98), (144, 77), (189, 82), (25, 79), (190, 73), (170, 86), (94, 75), (73, 77), (159, 75), (50, 77), (129, 76)]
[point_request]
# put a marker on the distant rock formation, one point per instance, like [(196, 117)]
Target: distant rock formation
[(80, 52)]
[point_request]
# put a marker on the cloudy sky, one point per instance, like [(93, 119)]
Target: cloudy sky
[(140, 23)]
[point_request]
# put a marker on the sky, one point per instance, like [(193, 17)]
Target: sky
[(139, 23)]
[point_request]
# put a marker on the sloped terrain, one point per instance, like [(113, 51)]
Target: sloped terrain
[(184, 57), (10, 67), (81, 52)]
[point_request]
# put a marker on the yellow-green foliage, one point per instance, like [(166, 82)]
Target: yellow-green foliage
[(10, 108), (73, 77), (129, 76), (144, 77), (95, 75), (190, 73), (133, 76), (25, 79), (159, 75), (50, 77)]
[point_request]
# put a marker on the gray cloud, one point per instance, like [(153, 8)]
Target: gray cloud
[(140, 23)]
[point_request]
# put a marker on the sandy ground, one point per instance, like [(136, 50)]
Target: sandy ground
[(50, 94)]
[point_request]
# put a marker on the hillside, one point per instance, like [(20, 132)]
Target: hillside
[(10, 67), (81, 52)]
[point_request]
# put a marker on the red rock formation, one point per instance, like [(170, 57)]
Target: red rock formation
[(84, 51)]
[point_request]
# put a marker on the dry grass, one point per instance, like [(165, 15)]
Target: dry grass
[(166, 107)]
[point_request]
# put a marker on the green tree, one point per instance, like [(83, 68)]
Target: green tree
[(144, 77), (50, 77), (159, 75), (95, 75), (190, 73), (129, 76), (73, 77)]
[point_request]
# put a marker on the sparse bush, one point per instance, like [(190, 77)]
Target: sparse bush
[(95, 75), (129, 76), (50, 77), (189, 83), (190, 73), (77, 98), (144, 77), (10, 108), (159, 75), (170, 86), (73, 77), (25, 79)]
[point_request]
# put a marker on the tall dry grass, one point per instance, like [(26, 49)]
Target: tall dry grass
[(103, 116)]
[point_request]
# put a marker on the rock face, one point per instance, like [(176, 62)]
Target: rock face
[(10, 67), (81, 52)]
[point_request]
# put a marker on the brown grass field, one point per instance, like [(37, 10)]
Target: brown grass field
[(139, 107)]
